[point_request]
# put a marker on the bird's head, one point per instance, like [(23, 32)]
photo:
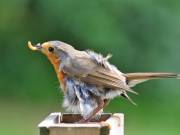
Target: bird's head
[(55, 52), (51, 49)]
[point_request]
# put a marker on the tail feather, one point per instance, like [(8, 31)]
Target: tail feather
[(125, 95), (178, 76), (135, 78)]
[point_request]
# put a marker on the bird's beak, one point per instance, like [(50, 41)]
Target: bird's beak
[(34, 48)]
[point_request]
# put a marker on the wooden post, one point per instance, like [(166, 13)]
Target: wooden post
[(66, 124)]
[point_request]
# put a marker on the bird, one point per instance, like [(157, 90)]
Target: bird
[(88, 80)]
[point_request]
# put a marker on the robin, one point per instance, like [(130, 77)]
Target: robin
[(88, 80)]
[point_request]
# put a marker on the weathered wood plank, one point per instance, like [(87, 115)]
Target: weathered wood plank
[(65, 124)]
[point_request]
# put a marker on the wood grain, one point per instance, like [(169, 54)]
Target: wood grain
[(66, 124)]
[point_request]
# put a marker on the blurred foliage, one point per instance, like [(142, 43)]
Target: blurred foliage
[(141, 35)]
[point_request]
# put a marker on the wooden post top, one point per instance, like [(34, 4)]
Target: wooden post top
[(66, 124)]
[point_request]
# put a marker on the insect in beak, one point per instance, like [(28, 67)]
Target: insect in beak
[(34, 48)]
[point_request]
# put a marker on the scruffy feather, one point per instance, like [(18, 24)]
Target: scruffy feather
[(99, 59), (84, 97)]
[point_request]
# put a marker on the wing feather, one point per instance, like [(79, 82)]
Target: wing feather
[(87, 70)]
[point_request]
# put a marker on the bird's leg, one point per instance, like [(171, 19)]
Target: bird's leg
[(101, 105)]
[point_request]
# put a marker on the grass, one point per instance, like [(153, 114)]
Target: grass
[(23, 118)]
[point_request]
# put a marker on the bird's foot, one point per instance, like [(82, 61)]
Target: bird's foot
[(83, 120)]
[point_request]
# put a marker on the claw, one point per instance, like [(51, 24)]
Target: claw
[(82, 120)]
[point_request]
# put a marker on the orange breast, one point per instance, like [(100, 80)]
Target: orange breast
[(60, 74)]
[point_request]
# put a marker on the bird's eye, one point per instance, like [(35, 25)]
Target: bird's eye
[(50, 49)]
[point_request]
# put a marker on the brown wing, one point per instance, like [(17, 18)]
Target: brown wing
[(105, 77), (85, 69)]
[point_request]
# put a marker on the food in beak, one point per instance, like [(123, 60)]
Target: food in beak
[(34, 48)]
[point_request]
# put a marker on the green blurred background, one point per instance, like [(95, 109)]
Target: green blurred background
[(142, 35)]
